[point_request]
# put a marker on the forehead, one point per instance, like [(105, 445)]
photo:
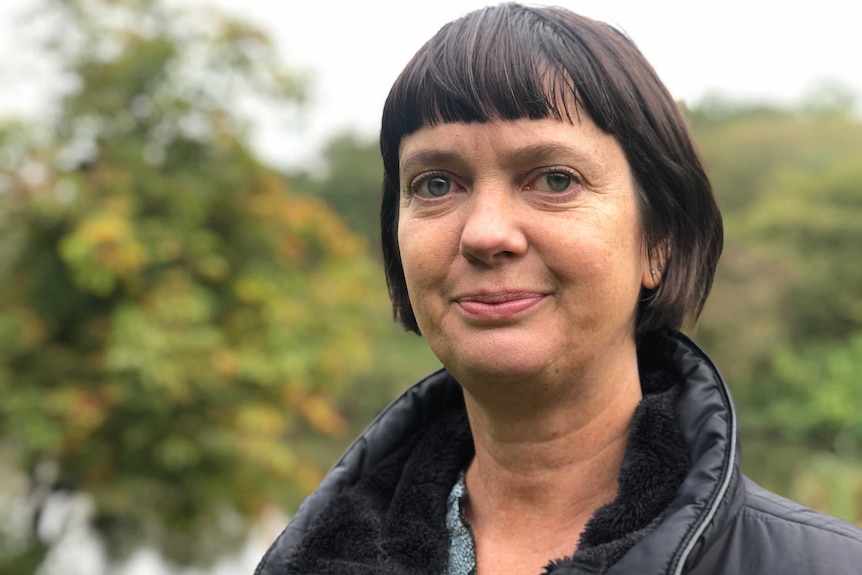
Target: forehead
[(509, 142)]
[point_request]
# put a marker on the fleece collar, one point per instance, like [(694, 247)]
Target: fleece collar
[(392, 519)]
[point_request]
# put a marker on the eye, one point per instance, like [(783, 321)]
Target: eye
[(431, 186), (558, 181), (555, 181), (438, 186)]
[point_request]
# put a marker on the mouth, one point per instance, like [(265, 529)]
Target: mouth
[(495, 307)]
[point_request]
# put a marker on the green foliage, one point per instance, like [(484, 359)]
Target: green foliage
[(175, 324), (351, 182), (744, 145), (820, 478), (788, 184), (784, 319), (832, 484), (813, 217), (814, 393)]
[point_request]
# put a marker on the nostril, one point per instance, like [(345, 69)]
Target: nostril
[(490, 246), (493, 227)]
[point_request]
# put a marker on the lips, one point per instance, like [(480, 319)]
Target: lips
[(498, 306)]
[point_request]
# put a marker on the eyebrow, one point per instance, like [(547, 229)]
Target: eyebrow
[(551, 152), (430, 158), (534, 153)]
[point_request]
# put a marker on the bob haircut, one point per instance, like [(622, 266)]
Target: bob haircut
[(509, 62)]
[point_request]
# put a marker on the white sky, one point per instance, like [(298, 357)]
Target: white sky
[(747, 49)]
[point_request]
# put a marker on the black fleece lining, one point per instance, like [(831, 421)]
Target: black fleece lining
[(392, 522), (653, 468)]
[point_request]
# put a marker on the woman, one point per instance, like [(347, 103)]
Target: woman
[(547, 227)]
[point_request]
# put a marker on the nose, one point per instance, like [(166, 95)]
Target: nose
[(493, 230)]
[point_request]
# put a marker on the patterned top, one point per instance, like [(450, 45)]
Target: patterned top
[(462, 548)]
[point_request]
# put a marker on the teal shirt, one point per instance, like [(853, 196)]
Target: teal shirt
[(462, 548)]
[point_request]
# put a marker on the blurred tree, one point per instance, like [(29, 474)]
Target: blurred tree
[(812, 218), (351, 181), (814, 395), (765, 162), (175, 324), (743, 144), (811, 221), (785, 317)]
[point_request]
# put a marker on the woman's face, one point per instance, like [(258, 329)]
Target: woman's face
[(521, 245)]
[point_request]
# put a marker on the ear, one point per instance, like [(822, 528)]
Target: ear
[(653, 267), (651, 277)]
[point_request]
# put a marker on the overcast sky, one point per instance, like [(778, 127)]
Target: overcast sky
[(747, 49)]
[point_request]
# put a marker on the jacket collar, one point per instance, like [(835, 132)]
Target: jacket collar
[(404, 417), (711, 493), (708, 495)]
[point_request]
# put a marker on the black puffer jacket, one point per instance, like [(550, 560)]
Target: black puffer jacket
[(381, 508)]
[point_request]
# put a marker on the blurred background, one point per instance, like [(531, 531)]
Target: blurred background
[(193, 316)]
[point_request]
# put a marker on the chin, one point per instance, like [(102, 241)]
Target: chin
[(500, 365), (509, 353)]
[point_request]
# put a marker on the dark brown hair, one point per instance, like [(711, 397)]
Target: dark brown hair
[(510, 62)]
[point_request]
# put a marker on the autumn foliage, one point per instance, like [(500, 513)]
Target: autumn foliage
[(175, 324)]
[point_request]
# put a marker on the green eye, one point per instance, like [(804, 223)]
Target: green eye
[(558, 181), (438, 186)]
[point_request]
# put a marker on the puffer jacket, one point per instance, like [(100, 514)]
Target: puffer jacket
[(716, 521)]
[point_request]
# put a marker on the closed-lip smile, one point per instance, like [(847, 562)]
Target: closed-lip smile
[(498, 306)]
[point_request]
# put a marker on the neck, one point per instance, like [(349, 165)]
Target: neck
[(550, 457)]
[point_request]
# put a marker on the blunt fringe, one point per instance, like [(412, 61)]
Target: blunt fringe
[(509, 62)]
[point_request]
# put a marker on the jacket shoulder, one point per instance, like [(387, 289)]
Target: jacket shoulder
[(771, 534), (763, 505)]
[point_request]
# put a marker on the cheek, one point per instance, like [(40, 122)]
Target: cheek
[(415, 261), (425, 248), (426, 260), (606, 260), (407, 252)]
